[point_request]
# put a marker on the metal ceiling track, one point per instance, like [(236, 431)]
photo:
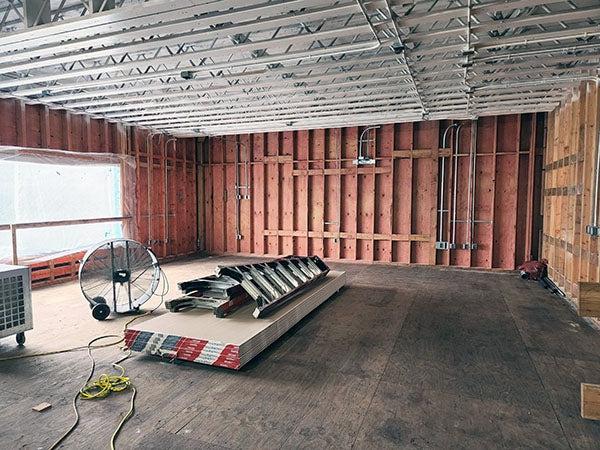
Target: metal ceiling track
[(205, 67)]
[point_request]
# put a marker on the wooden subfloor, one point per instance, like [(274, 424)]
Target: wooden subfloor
[(404, 357)]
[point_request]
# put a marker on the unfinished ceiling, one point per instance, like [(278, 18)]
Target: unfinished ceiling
[(200, 67)]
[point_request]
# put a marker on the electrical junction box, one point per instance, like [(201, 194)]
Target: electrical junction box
[(364, 161), (15, 301)]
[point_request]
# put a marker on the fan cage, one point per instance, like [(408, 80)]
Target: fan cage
[(122, 273)]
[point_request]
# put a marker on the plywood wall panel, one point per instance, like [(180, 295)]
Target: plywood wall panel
[(308, 197), (568, 190)]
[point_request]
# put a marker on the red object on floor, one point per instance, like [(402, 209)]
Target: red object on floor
[(533, 270)]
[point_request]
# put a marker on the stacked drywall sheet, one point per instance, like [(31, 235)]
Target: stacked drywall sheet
[(198, 336)]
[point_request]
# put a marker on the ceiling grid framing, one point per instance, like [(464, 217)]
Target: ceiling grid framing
[(204, 67)]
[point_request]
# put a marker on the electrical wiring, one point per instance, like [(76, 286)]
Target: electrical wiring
[(74, 403), (85, 347), (105, 385), (57, 352), (113, 383)]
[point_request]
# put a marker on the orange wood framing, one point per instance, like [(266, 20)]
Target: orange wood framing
[(568, 191), (172, 194), (307, 197)]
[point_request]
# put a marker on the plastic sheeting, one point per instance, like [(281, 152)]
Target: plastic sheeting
[(38, 186)]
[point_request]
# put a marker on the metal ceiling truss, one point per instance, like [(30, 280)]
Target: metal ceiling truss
[(205, 67)]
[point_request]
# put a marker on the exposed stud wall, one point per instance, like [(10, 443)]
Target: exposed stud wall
[(172, 181), (572, 142), (303, 183), (173, 174)]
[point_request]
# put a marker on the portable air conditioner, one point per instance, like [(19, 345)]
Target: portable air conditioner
[(15, 301)]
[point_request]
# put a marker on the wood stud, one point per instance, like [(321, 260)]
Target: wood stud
[(41, 127), (302, 181), (572, 254)]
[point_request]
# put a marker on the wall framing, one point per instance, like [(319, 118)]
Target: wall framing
[(572, 254), (171, 198), (303, 182)]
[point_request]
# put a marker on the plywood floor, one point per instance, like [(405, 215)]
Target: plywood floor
[(404, 357)]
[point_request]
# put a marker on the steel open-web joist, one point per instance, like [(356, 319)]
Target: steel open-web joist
[(237, 66)]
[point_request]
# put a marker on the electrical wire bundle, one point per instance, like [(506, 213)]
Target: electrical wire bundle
[(106, 384)]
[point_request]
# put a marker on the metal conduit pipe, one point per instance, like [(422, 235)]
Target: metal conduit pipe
[(238, 187), (246, 186), (465, 244), (238, 206), (593, 229), (596, 184), (473, 221), (469, 245), (365, 159), (167, 191), (149, 164), (338, 221), (455, 185), (441, 244)]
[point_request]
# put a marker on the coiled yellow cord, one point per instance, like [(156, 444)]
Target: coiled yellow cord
[(109, 383), (105, 385)]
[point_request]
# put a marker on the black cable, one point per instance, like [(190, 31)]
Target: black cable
[(165, 291)]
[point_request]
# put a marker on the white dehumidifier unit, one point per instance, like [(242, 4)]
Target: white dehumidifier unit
[(15, 302)]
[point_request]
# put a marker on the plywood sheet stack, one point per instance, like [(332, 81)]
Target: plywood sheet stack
[(233, 341)]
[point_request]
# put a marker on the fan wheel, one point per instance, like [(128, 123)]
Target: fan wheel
[(100, 310)]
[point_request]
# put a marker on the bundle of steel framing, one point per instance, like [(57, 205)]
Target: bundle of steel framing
[(269, 284)]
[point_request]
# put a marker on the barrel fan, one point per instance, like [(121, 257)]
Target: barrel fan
[(118, 276)]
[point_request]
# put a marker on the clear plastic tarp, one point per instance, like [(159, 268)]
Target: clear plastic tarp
[(94, 192)]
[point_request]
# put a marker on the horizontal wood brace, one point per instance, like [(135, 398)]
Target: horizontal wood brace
[(561, 244), (563, 191), (566, 161), (577, 251), (422, 153), (346, 235), (347, 171), (281, 159)]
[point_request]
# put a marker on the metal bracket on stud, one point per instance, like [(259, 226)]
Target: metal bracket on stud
[(592, 230), (441, 245), (364, 161)]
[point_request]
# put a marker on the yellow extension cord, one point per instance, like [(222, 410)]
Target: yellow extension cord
[(105, 384)]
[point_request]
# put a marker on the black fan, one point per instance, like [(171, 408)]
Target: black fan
[(118, 276)]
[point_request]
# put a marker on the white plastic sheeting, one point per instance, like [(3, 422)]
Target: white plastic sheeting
[(50, 185)]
